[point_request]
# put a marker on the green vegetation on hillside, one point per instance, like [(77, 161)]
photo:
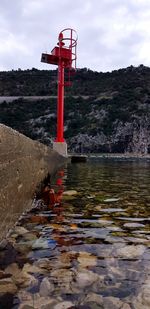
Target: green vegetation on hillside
[(114, 116)]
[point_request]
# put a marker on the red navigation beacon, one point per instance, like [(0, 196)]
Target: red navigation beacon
[(63, 55)]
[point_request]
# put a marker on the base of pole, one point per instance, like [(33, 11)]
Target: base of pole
[(61, 148)]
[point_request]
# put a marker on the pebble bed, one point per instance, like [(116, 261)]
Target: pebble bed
[(85, 244)]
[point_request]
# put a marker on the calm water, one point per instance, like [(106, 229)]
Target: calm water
[(90, 248)]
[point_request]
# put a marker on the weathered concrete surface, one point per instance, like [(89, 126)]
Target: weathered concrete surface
[(23, 164)]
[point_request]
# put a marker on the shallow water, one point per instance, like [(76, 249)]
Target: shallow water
[(90, 249)]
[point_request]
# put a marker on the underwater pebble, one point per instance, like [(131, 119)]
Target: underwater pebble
[(131, 251), (70, 192), (64, 305), (42, 243), (109, 200), (30, 268), (46, 287), (133, 225), (142, 301), (111, 210), (13, 269), (104, 222), (37, 302), (86, 259), (23, 247), (86, 278), (94, 298), (7, 286), (43, 263), (91, 196), (20, 230), (112, 302), (21, 277)]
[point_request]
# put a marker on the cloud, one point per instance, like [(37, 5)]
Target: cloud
[(112, 33)]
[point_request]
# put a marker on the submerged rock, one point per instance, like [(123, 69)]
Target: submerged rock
[(112, 302), (23, 246), (125, 306), (133, 225), (43, 263), (42, 243), (86, 278), (46, 287), (20, 230), (21, 277), (131, 251), (7, 286), (94, 298), (31, 268), (70, 192), (86, 259), (112, 210), (13, 269), (110, 200), (143, 298), (64, 305), (104, 222), (35, 301), (29, 236)]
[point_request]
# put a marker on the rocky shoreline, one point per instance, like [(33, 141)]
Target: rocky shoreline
[(118, 156), (82, 246)]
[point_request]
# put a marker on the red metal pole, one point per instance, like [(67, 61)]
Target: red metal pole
[(60, 103)]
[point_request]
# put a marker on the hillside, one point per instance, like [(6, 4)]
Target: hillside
[(114, 116)]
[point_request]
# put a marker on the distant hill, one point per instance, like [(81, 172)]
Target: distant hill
[(114, 116)]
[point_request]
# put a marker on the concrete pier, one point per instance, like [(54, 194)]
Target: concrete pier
[(23, 165)]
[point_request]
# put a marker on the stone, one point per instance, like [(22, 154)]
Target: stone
[(110, 200), (86, 259), (137, 240), (7, 286), (23, 247), (42, 243), (65, 259), (112, 302), (24, 280), (20, 230), (20, 277), (24, 306), (94, 298), (91, 196), (111, 210), (143, 298), (3, 244), (43, 263), (31, 268), (64, 305), (46, 287), (29, 236), (24, 296), (130, 251), (2, 274), (86, 278), (61, 274), (125, 306), (70, 192), (13, 269), (133, 225), (104, 222), (37, 301)]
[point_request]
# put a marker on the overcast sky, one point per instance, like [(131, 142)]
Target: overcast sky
[(112, 33)]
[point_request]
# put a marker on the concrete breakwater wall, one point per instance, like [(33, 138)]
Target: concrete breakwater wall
[(23, 165)]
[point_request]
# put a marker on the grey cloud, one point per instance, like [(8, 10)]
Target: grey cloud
[(109, 31)]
